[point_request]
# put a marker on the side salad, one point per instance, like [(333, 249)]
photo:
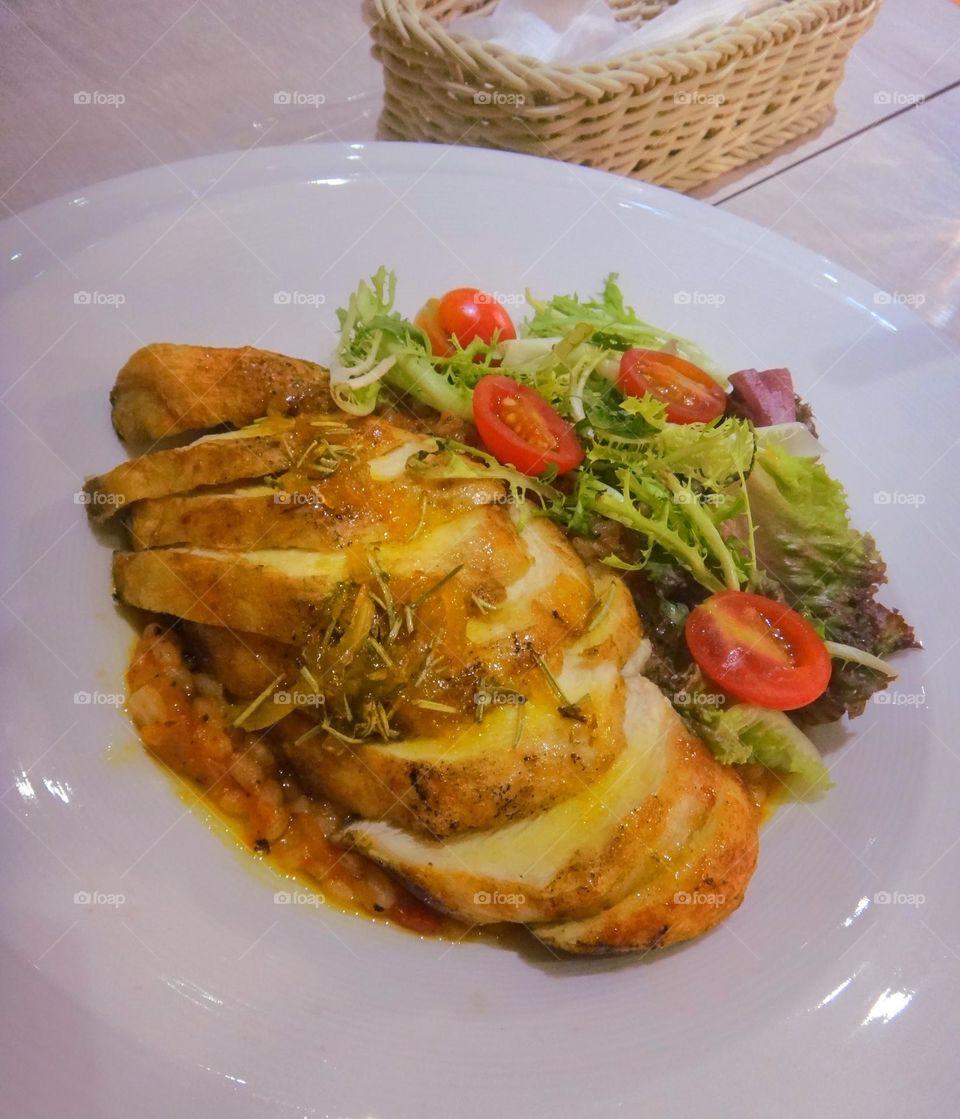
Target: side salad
[(757, 593)]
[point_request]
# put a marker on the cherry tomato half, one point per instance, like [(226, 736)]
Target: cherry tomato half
[(758, 650), (464, 314), (520, 429), (690, 394)]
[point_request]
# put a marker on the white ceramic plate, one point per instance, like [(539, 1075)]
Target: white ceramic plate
[(175, 985)]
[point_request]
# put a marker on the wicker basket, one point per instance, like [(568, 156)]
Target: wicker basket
[(675, 116)]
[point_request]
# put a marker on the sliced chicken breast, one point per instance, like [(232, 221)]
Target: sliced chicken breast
[(707, 857), (268, 447), (522, 757), (432, 658), (571, 860), (167, 389)]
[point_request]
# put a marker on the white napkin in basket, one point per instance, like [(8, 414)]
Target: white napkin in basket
[(574, 31)]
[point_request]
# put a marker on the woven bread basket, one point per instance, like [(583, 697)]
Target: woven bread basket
[(676, 116)]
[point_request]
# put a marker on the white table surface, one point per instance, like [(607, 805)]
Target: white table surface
[(877, 189)]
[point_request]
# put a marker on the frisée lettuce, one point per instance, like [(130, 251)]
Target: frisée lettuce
[(702, 507)]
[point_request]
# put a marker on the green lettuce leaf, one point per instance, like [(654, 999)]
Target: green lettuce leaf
[(372, 332), (745, 734), (827, 570), (616, 326)]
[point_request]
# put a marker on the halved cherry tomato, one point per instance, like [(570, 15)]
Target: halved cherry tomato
[(520, 429), (690, 394), (758, 650), (464, 314)]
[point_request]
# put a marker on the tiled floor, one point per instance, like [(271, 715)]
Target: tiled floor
[(878, 188)]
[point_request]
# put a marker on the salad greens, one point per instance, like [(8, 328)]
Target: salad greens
[(616, 326), (707, 506), (745, 733), (377, 343), (826, 569)]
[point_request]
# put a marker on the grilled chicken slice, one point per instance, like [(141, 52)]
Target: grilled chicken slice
[(569, 861), (281, 592), (269, 447), (709, 852), (658, 850), (523, 756), (318, 518), (256, 592), (167, 389), (244, 664)]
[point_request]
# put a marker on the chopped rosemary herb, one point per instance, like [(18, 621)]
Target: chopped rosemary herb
[(572, 711), (380, 651), (422, 521), (422, 670), (521, 716), (434, 587), (337, 603), (311, 680), (567, 709), (303, 458), (598, 611), (387, 602), (431, 705), (338, 734), (261, 698), (384, 723), (482, 605)]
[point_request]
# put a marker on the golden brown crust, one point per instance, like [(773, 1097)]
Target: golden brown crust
[(269, 517), (448, 793), (209, 462), (694, 890), (599, 843), (225, 589), (167, 389), (244, 664)]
